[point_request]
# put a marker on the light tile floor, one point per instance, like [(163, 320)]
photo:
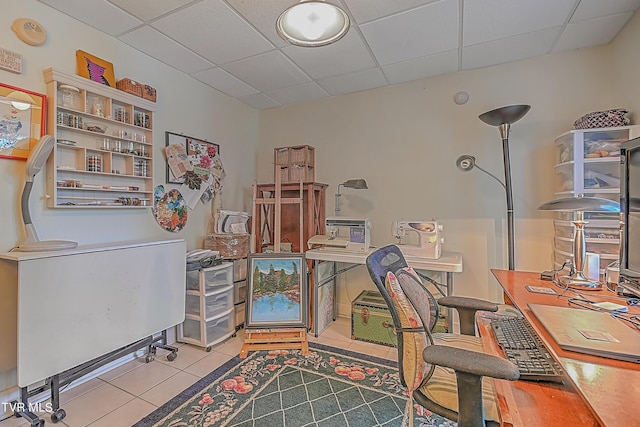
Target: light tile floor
[(124, 395)]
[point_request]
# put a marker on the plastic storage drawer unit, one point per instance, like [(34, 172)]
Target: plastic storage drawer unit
[(209, 309), (214, 303), (210, 279), (212, 331)]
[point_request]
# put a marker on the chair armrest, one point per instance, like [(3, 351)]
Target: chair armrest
[(471, 362), (470, 367), (468, 303), (467, 308)]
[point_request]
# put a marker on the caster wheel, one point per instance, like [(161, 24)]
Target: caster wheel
[(171, 357), (149, 358), (57, 416), (208, 349), (37, 423), (234, 335)]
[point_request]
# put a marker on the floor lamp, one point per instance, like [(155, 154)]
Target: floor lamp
[(501, 117), (579, 204)]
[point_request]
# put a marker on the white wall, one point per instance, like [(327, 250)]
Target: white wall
[(184, 105), (404, 140)]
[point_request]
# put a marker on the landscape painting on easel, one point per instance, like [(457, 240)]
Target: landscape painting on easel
[(277, 288)]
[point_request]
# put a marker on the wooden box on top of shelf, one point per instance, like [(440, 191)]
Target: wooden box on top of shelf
[(295, 163)]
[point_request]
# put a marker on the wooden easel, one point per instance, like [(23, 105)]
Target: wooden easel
[(275, 339), (280, 338)]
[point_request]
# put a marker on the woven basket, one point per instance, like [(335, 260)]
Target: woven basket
[(130, 86), (149, 92), (232, 246)]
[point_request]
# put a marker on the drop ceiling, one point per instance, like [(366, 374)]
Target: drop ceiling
[(232, 45)]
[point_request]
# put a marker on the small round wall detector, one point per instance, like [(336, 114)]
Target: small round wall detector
[(461, 97), (29, 31)]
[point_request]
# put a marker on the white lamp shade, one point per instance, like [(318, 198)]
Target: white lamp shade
[(312, 23)]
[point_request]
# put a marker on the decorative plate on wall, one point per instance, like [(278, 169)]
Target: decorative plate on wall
[(169, 209)]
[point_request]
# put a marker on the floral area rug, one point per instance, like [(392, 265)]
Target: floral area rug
[(328, 387)]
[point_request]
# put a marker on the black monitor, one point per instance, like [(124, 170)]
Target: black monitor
[(630, 214)]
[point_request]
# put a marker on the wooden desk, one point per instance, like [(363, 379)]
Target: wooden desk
[(598, 391)]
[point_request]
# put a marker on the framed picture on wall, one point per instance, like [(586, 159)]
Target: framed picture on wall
[(22, 121), (276, 291)]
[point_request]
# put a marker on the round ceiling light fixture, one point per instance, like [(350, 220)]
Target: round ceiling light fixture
[(312, 23)]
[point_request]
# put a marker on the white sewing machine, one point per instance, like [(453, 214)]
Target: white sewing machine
[(430, 240), (358, 240)]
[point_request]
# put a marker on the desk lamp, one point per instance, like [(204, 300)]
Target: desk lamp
[(37, 157), (356, 184), (501, 117), (579, 204)]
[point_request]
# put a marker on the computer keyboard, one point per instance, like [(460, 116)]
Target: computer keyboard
[(523, 347)]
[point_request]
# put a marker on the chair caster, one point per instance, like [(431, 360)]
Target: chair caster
[(57, 416), (172, 356)]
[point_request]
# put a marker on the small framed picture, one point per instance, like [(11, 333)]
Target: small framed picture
[(22, 121), (276, 291), (95, 69)]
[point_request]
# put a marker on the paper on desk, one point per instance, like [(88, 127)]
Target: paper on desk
[(597, 335)]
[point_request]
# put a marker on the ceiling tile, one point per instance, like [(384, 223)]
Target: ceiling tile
[(420, 68), (425, 31), (300, 93), (339, 58), (589, 9), (267, 72), (361, 80), (99, 14), (593, 32), (159, 46), (509, 49), (263, 18), (225, 82), (368, 10), (259, 101), (213, 30), (147, 10), (486, 20), (232, 44)]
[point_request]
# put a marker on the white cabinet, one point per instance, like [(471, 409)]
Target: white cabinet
[(104, 151), (588, 163), (209, 310)]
